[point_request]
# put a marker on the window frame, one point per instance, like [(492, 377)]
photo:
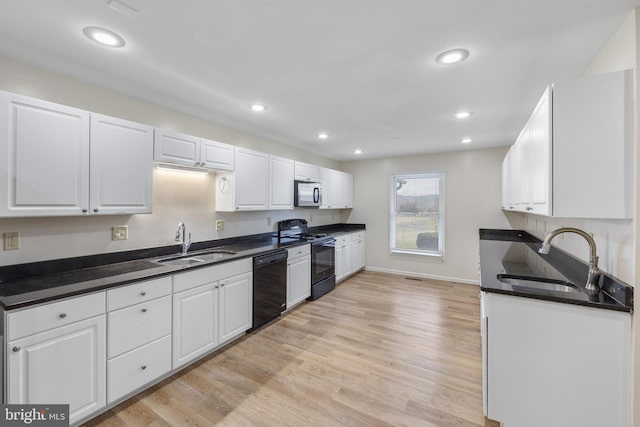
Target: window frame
[(441, 211)]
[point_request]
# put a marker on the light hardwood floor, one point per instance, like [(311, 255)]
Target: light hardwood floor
[(380, 350)]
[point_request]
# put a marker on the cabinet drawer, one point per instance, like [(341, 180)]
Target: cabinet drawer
[(134, 369), (49, 316), (203, 276), (138, 292), (139, 324), (360, 235), (343, 239), (299, 251)]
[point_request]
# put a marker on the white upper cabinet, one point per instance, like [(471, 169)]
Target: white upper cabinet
[(280, 183), (260, 182), (185, 150), (345, 190), (307, 172), (592, 147), (337, 189), (176, 148), (330, 182), (121, 166), (57, 160), (573, 157), (247, 188), (44, 155), (216, 155)]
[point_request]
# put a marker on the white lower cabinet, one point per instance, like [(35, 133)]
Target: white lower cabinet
[(554, 364), (350, 254), (298, 275), (211, 306), (93, 350), (195, 323), (139, 328), (138, 367), (60, 364), (235, 309), (343, 256)]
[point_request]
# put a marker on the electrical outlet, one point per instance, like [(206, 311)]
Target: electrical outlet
[(120, 233), (310, 218), (11, 240), (219, 225), (268, 222)]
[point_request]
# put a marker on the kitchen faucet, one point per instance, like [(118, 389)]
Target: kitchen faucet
[(185, 244), (594, 271)]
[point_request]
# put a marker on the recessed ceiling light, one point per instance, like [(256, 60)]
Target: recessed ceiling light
[(452, 56), (357, 151), (323, 135), (465, 140), (103, 36), (462, 114), (258, 108)]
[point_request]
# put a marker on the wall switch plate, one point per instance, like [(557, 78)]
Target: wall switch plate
[(11, 240), (120, 233), (268, 221), (219, 225)]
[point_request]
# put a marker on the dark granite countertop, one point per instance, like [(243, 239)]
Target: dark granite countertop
[(515, 253), (27, 284)]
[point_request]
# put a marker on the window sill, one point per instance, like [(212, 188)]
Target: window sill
[(418, 253)]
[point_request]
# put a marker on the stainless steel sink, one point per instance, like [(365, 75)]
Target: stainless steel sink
[(537, 283), (196, 258)]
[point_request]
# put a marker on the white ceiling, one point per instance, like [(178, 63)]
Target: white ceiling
[(361, 70)]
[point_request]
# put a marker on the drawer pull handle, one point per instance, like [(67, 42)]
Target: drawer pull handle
[(143, 367), (143, 293), (144, 310), (16, 349), (63, 315)]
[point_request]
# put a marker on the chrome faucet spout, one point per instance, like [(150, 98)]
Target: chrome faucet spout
[(594, 272), (186, 243)]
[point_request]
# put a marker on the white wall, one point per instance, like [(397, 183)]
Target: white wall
[(178, 196), (472, 201), (614, 241)]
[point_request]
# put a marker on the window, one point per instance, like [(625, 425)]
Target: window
[(417, 214)]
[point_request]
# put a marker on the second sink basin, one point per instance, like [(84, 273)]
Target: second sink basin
[(538, 283), (196, 258)]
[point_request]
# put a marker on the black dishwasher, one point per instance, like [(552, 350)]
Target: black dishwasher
[(269, 287)]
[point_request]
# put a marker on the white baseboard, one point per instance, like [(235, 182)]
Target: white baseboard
[(422, 275)]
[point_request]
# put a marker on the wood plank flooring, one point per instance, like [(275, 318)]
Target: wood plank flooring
[(380, 350)]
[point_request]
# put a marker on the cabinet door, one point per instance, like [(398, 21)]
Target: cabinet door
[(343, 261), (507, 181), (236, 306), (251, 180), (176, 148), (357, 255), (345, 190), (307, 172), (330, 182), (65, 365), (216, 155), (195, 323), (298, 280), (44, 158), (540, 150), (121, 166), (281, 183), (540, 352)]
